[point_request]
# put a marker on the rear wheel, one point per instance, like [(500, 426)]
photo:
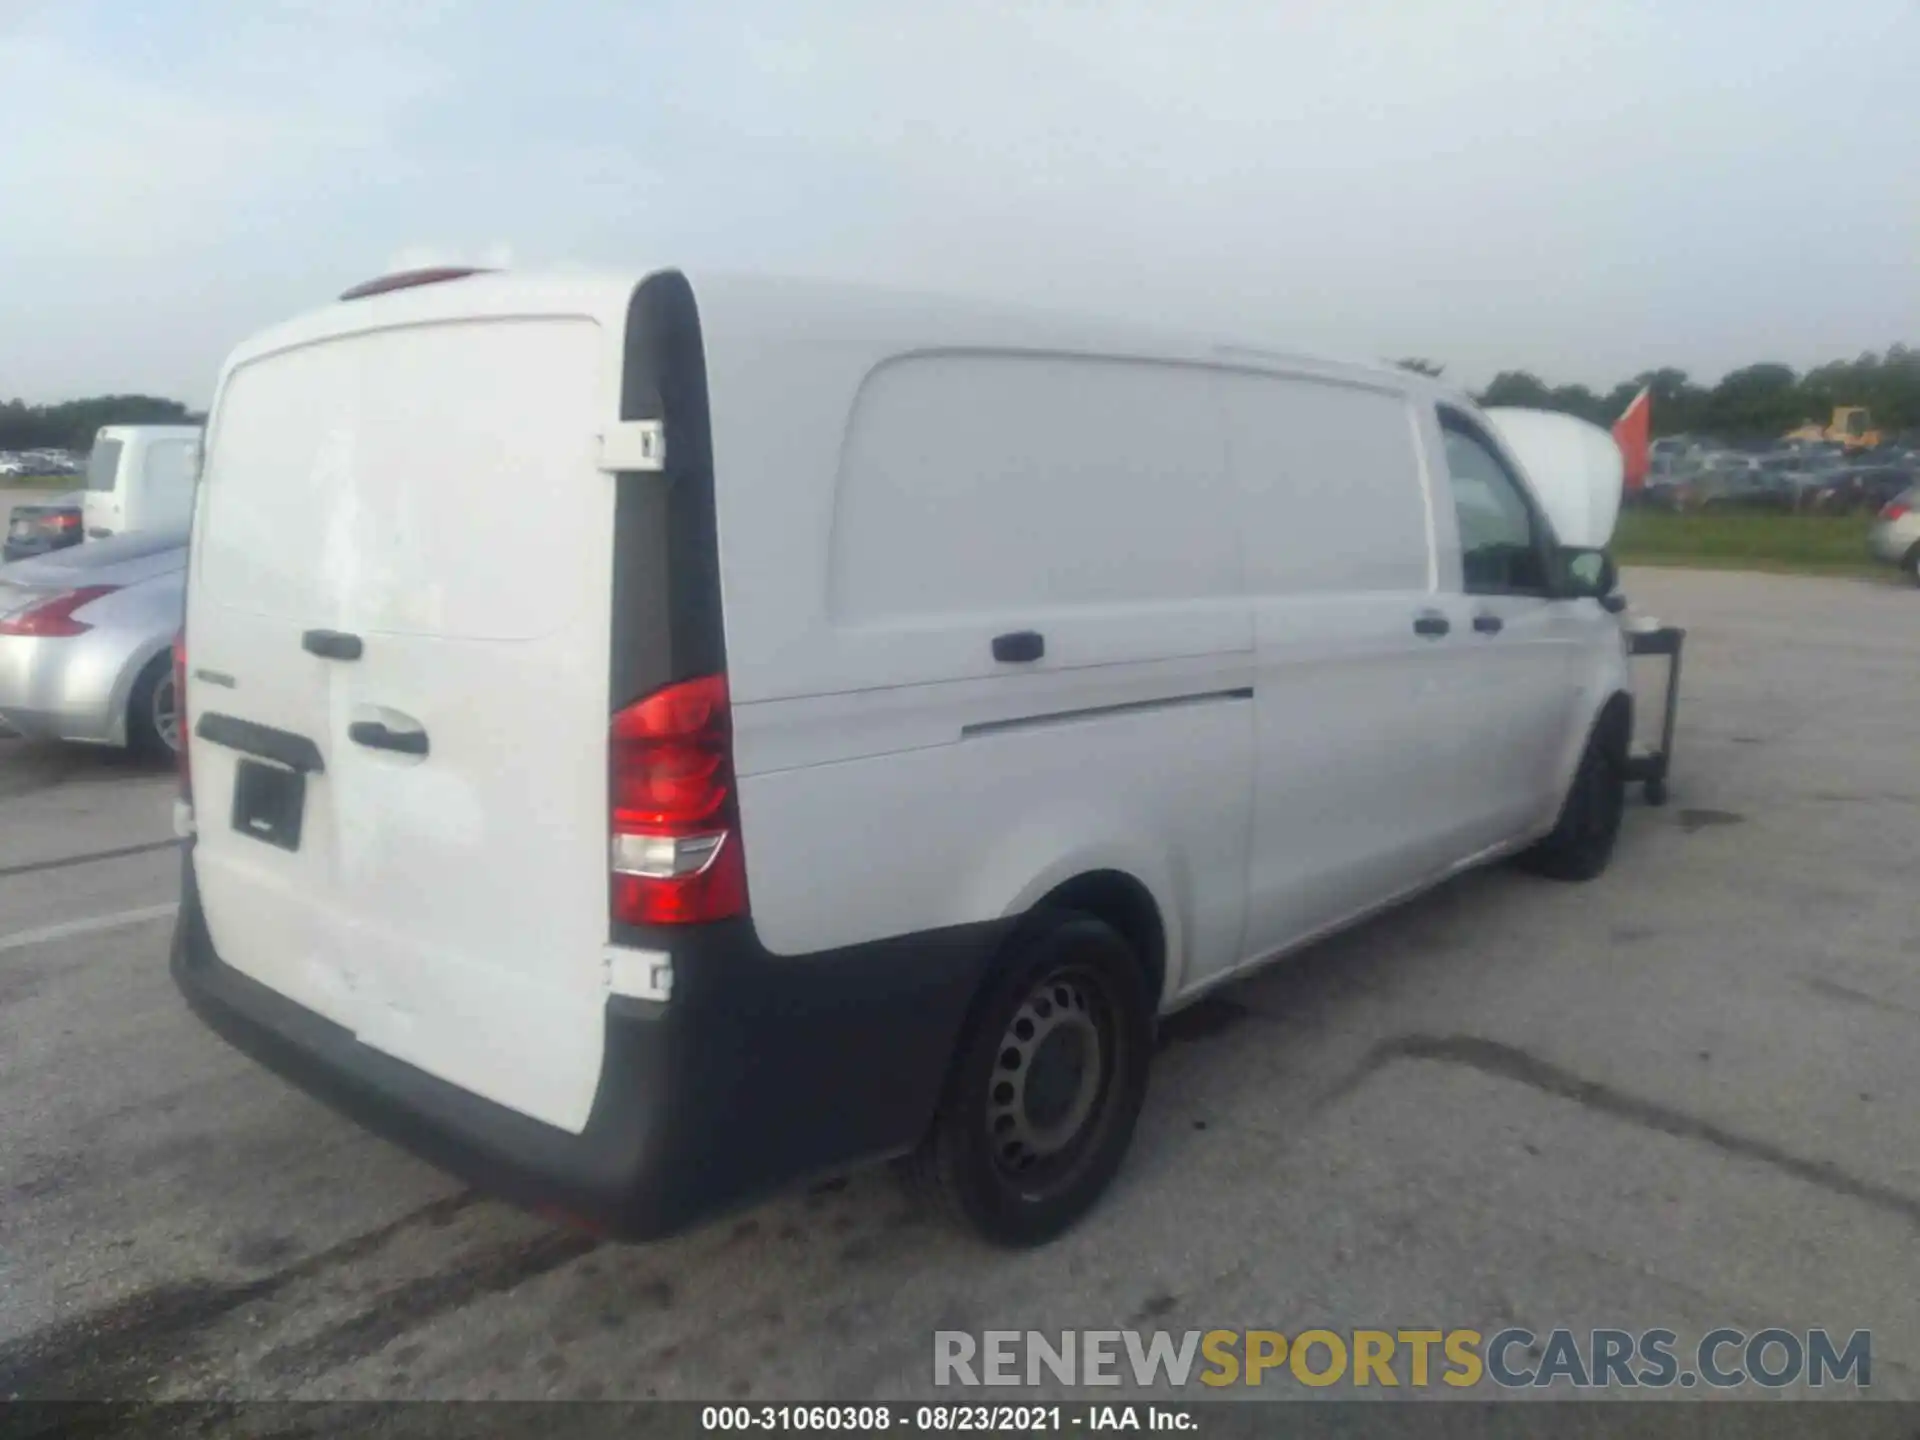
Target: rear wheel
[(153, 712), (1581, 843), (1047, 1085), (1911, 564)]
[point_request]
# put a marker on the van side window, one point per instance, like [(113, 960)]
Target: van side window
[(1499, 542)]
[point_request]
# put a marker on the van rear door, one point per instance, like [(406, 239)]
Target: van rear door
[(159, 494), (398, 675)]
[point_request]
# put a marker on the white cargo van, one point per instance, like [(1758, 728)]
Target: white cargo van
[(140, 477), (656, 740)]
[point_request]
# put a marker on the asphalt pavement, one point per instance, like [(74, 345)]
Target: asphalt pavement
[(1681, 1096)]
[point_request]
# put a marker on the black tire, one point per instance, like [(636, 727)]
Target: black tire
[(1581, 842), (145, 735), (1911, 564), (1005, 1157)]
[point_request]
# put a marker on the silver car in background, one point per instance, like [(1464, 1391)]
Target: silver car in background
[(1895, 537), (86, 642)]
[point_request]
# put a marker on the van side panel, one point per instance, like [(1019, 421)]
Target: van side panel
[(162, 496), (1027, 484), (1350, 804), (976, 494)]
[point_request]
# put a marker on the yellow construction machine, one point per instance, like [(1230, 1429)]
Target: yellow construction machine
[(1852, 426)]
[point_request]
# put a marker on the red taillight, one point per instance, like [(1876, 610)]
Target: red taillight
[(180, 711), (1894, 510), (65, 520), (675, 825), (53, 618)]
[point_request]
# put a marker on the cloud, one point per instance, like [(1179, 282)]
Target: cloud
[(137, 159), (1582, 190)]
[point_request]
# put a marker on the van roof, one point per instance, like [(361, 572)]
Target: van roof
[(881, 316)]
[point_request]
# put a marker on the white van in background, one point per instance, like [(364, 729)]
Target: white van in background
[(140, 477), (656, 741)]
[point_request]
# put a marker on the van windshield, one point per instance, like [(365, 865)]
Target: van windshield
[(103, 466)]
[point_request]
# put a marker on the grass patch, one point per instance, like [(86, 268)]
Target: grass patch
[(1733, 540), (43, 482)]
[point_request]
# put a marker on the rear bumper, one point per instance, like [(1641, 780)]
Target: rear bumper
[(61, 688), (762, 1071)]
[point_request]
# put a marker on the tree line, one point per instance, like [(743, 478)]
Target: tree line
[(1753, 402), (71, 424)]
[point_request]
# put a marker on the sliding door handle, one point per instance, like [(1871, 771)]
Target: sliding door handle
[(1020, 647), (376, 736), (331, 644)]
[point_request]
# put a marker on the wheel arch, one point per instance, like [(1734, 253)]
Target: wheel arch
[(1604, 682), (139, 660), (1105, 891), (1614, 722), (1124, 903), (1122, 879)]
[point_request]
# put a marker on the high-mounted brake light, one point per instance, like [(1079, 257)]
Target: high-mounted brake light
[(53, 618), (674, 821), (407, 279)]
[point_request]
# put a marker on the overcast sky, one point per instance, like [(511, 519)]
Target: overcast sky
[(1581, 189)]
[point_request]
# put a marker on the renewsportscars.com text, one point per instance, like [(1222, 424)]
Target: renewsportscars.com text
[(1509, 1359)]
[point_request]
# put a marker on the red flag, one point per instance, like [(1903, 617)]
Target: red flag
[(1632, 432)]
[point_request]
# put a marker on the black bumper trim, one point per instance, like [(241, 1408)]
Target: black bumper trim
[(762, 1071)]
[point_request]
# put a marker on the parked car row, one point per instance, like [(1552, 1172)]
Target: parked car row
[(1798, 483), (38, 462), (86, 628), (1866, 487)]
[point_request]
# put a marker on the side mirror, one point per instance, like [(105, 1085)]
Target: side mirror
[(1586, 574)]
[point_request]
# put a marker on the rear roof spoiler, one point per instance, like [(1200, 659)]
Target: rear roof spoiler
[(407, 279)]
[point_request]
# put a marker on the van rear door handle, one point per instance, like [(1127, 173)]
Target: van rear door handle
[(376, 736), (1432, 624), (1488, 624), (331, 644), (1019, 647)]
